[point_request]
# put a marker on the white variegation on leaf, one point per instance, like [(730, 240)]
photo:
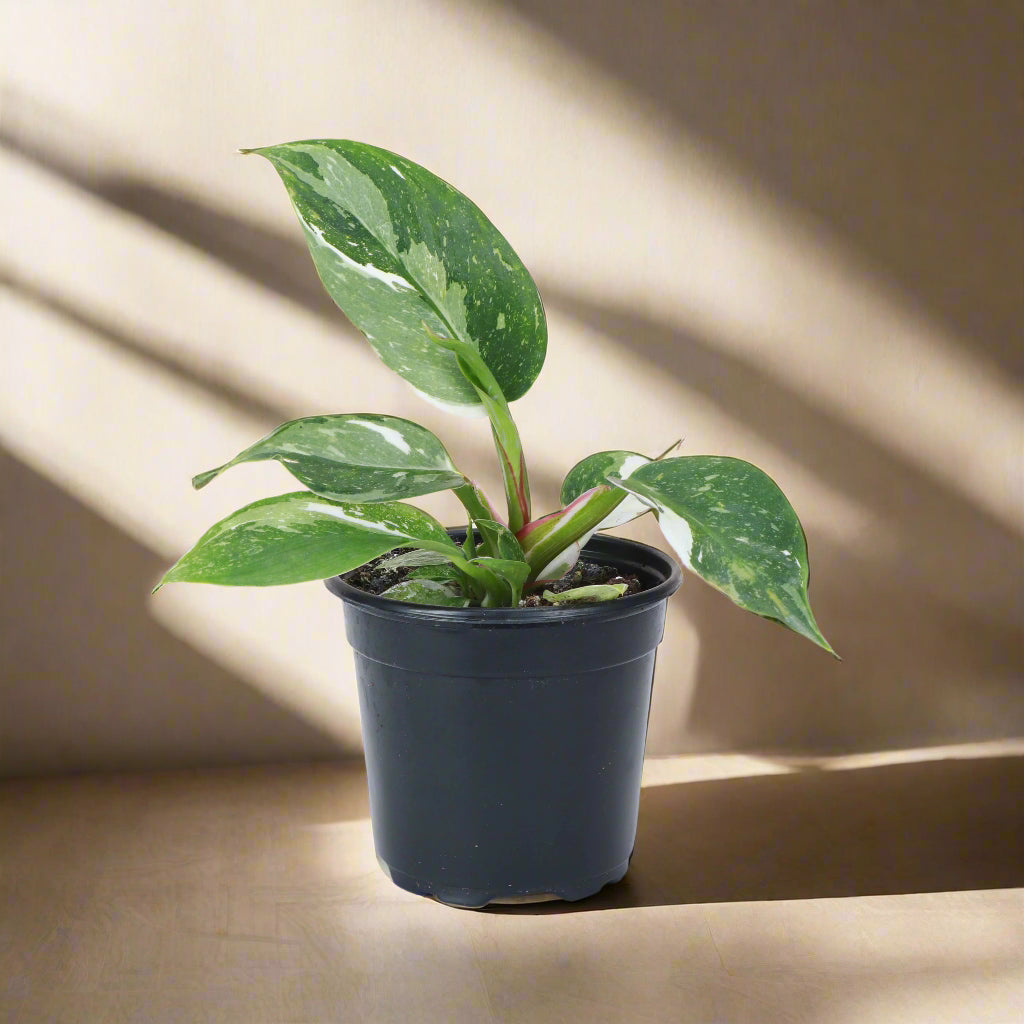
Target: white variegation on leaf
[(356, 457), (731, 525), (593, 471), (562, 562), (295, 538), (553, 543), (590, 503), (397, 247), (414, 558), (446, 573), (430, 592)]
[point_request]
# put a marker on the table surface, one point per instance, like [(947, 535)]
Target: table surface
[(858, 892)]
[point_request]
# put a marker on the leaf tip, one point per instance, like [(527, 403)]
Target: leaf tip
[(816, 637), (827, 647)]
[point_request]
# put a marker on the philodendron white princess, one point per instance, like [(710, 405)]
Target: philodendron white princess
[(447, 305)]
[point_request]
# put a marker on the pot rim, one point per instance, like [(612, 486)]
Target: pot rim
[(630, 555)]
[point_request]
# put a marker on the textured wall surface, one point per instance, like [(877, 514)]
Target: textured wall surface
[(785, 232)]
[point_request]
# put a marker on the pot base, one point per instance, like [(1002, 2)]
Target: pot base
[(476, 899)]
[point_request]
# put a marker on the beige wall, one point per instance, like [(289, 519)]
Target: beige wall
[(789, 233)]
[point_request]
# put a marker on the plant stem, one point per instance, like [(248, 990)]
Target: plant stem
[(487, 587), (545, 539), (503, 428), (475, 501)]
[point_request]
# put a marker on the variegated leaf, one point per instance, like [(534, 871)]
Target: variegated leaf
[(446, 573), (593, 471), (355, 457), (413, 558), (590, 594), (731, 524), (397, 247), (552, 544), (426, 592), (293, 538)]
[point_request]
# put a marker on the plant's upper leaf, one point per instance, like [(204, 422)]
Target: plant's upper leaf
[(422, 591), (500, 539), (396, 247), (293, 538), (731, 524), (356, 457), (587, 595), (593, 471)]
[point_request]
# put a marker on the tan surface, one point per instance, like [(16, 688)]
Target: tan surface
[(757, 894)]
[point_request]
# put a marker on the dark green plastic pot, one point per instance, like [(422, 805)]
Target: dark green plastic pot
[(504, 747)]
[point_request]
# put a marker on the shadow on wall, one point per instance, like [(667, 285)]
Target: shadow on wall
[(86, 669), (930, 631), (930, 628), (931, 826), (896, 125)]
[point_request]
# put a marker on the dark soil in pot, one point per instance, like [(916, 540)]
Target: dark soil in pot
[(377, 576), (504, 747)]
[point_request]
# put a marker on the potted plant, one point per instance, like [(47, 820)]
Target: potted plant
[(504, 670)]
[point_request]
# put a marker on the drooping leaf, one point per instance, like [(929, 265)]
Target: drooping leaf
[(593, 471), (356, 457), (397, 247), (587, 595), (426, 592), (731, 524), (293, 538)]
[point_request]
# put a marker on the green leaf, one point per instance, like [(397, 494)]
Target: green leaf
[(354, 457), (593, 471), (426, 592), (730, 524), (293, 538), (513, 573), (397, 247), (415, 557), (446, 573), (587, 595), (500, 540)]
